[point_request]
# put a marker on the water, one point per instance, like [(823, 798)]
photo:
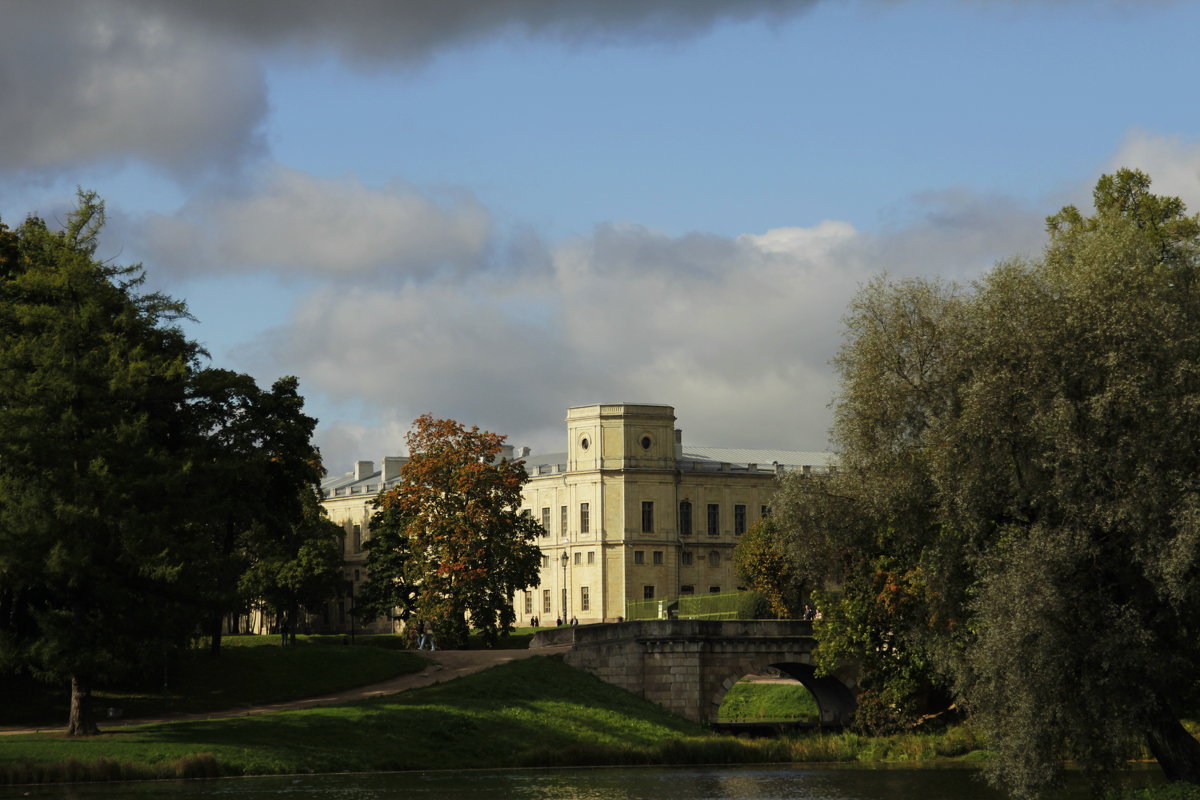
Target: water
[(657, 783)]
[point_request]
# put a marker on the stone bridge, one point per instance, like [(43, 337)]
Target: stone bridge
[(687, 666)]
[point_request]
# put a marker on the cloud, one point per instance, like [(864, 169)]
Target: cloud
[(102, 81), (180, 84), (1172, 162), (294, 223), (735, 332), (414, 30)]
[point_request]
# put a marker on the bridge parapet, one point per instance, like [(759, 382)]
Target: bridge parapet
[(687, 666)]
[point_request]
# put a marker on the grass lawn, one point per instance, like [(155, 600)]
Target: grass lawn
[(251, 670), (749, 701), (532, 712)]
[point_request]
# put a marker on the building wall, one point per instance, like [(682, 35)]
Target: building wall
[(620, 457), (590, 502)]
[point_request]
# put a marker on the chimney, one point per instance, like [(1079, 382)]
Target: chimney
[(363, 469), (678, 443), (506, 452), (391, 467)]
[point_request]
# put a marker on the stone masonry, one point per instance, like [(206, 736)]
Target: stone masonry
[(687, 666)]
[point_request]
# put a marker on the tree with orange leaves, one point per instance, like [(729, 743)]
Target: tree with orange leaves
[(448, 544)]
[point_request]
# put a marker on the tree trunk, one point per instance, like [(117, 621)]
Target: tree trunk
[(217, 622), (1176, 750), (82, 722)]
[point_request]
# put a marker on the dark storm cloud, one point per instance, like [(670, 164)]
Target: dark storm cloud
[(180, 84), (416, 29)]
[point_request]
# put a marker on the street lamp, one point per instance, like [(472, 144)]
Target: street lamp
[(565, 559)]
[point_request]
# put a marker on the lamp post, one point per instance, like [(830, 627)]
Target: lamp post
[(565, 559)]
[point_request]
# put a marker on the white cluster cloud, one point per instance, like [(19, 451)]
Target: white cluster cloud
[(1171, 162), (735, 332), (293, 222)]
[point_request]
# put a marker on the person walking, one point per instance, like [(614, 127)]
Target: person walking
[(429, 637)]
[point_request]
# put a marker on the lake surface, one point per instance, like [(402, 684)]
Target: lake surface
[(653, 783)]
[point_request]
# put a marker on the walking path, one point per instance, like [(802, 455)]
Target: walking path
[(444, 665)]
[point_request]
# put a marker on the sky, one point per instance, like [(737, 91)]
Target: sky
[(493, 210)]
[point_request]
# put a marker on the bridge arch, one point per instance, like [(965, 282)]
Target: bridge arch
[(687, 666), (835, 701)]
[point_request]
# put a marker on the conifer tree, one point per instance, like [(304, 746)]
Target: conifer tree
[(93, 373)]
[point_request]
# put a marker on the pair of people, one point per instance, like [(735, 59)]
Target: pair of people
[(425, 635)]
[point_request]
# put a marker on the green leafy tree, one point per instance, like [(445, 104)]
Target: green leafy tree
[(92, 376), (252, 473), (296, 568), (1019, 493), (765, 565), (448, 543)]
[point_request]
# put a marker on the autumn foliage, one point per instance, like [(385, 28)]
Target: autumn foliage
[(448, 544)]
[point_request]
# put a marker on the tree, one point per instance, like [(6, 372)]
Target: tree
[(252, 475), (1021, 486), (448, 543), (764, 564), (296, 566), (92, 376)]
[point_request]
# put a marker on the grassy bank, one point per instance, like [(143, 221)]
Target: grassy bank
[(750, 701), (251, 670), (534, 712)]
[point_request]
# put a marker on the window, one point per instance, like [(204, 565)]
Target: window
[(764, 511), (686, 558), (546, 519), (583, 518), (688, 589), (714, 519), (562, 521), (578, 557), (647, 592), (591, 556), (658, 556), (685, 518), (585, 603), (739, 520), (714, 590), (545, 601), (639, 556), (714, 558), (528, 602), (357, 538), (646, 442), (647, 516), (545, 562)]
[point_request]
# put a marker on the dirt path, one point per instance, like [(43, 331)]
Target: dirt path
[(444, 665)]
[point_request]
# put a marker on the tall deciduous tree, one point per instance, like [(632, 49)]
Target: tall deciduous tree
[(296, 564), (1021, 484), (448, 543), (253, 473), (92, 376), (764, 564)]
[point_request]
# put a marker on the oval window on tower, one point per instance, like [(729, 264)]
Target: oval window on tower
[(645, 442), (583, 443)]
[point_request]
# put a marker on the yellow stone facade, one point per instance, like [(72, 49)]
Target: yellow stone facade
[(629, 513)]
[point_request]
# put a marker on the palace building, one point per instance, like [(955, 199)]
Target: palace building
[(630, 513)]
